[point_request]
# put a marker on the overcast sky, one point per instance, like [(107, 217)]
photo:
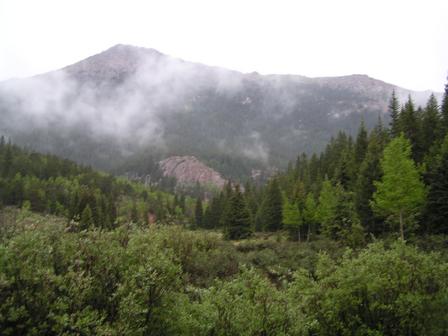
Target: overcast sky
[(398, 41)]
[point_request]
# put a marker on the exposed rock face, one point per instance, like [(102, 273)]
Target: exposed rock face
[(189, 170)]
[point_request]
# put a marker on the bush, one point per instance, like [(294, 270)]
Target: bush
[(400, 291)]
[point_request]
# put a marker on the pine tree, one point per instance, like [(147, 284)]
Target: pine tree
[(271, 208), (444, 110), (345, 224), (394, 112), (236, 217), (431, 124), (410, 126), (369, 172), (292, 220), (436, 210), (198, 213), (400, 193), (361, 145), (345, 173)]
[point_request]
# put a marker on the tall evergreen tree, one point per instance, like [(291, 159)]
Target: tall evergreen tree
[(444, 110), (431, 124), (361, 144), (436, 211), (394, 113), (369, 172), (236, 217), (345, 173), (410, 126), (271, 208), (400, 193)]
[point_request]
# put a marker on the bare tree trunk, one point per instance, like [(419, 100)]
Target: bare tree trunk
[(401, 225)]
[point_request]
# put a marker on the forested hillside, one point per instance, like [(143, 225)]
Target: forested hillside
[(86, 198), (390, 180), (352, 241)]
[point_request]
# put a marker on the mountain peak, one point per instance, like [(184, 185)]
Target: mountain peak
[(114, 63), (129, 49)]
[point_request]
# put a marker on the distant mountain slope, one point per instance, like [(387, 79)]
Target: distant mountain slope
[(110, 107), (188, 170)]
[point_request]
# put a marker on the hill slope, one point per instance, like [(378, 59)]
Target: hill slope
[(110, 108)]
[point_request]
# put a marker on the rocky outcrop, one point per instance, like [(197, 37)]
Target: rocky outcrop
[(189, 170)]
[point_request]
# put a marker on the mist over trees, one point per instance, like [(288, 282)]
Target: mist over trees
[(386, 181), (350, 241), (115, 109)]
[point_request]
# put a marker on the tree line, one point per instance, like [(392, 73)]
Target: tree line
[(87, 198), (392, 179)]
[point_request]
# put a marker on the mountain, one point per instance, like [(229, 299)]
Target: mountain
[(111, 109)]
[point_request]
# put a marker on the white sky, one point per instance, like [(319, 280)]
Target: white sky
[(398, 41)]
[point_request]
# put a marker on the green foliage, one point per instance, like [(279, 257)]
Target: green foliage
[(369, 172), (247, 305), (292, 220), (431, 124), (394, 111), (400, 291), (198, 213), (444, 111), (328, 201), (165, 280), (410, 126), (400, 193), (361, 145), (61, 187), (86, 221), (236, 217), (436, 211), (271, 207), (310, 215)]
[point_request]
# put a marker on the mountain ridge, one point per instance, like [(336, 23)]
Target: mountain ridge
[(118, 103)]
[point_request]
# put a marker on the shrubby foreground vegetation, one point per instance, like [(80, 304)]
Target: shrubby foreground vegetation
[(166, 280)]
